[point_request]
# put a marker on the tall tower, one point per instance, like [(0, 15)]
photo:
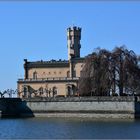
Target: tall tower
[(73, 38)]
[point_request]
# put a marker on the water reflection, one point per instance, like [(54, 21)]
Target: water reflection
[(47, 128)]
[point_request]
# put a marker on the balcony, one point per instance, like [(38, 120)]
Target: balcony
[(50, 79)]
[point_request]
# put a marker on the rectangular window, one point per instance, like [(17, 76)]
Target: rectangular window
[(74, 73)]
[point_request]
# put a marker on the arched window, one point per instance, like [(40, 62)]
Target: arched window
[(73, 90), (25, 91), (40, 90), (35, 75), (68, 91), (54, 91), (68, 73)]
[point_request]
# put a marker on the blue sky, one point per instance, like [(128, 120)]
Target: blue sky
[(37, 31)]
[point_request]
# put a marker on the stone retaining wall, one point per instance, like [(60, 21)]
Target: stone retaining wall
[(104, 107), (93, 107)]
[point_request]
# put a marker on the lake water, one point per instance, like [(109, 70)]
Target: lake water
[(64, 128)]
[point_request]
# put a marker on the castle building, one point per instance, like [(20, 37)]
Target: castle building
[(54, 78)]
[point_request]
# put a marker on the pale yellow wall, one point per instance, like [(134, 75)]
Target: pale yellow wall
[(35, 86), (78, 67), (61, 87), (48, 72), (52, 72), (55, 72)]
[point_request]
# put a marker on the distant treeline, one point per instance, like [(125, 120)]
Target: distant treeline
[(115, 72)]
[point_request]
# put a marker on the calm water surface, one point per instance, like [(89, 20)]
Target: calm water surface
[(64, 128)]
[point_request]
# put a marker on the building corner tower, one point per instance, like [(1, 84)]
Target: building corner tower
[(73, 42)]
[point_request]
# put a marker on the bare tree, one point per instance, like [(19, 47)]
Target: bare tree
[(95, 78), (108, 73)]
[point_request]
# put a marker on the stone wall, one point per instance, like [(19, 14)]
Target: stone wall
[(95, 107), (92, 107), (83, 99), (14, 107)]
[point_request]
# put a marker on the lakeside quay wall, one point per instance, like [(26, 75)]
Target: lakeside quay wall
[(92, 107)]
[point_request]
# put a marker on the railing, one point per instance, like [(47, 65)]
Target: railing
[(50, 79)]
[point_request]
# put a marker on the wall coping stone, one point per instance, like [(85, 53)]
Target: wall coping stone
[(83, 99)]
